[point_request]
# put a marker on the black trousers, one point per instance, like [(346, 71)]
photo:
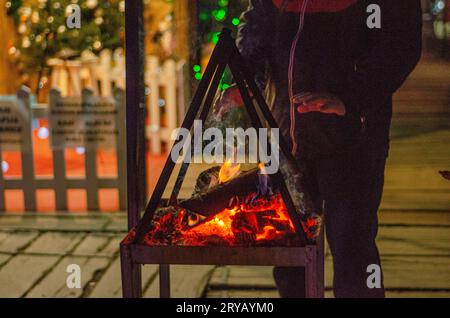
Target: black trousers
[(351, 184)]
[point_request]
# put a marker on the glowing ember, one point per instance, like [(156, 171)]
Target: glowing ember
[(264, 222)]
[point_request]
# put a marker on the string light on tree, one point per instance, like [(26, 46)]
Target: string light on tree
[(43, 34), (212, 17)]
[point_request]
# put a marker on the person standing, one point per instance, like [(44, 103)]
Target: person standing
[(334, 65)]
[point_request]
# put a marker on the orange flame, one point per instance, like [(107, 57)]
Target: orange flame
[(228, 171), (246, 218)]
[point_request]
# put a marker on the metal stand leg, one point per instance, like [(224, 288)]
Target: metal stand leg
[(164, 281), (314, 269), (320, 246), (311, 273), (131, 275)]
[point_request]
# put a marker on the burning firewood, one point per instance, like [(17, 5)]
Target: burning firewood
[(263, 223), (206, 180), (164, 230), (220, 197)]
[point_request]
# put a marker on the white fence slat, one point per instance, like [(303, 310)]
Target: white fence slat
[(170, 82), (153, 70), (74, 69), (59, 165), (118, 70), (119, 96), (29, 194), (90, 162), (104, 73), (183, 90), (89, 71)]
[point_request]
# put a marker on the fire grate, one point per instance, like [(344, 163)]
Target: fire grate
[(279, 232)]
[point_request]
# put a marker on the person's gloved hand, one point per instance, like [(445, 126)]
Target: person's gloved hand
[(229, 99), (325, 103)]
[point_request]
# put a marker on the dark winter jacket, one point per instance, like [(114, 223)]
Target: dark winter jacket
[(336, 53)]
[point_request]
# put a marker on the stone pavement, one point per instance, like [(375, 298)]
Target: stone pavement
[(35, 252)]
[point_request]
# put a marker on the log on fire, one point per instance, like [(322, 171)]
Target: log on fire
[(221, 196)]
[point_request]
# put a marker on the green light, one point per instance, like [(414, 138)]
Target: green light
[(197, 68), (219, 15), (198, 76), (215, 37), (225, 86), (236, 21), (204, 16), (223, 3)]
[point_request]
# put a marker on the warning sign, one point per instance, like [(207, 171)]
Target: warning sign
[(88, 122), (13, 121)]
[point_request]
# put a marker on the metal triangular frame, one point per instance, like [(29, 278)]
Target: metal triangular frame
[(225, 53)]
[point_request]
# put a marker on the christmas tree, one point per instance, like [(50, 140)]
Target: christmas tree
[(43, 31)]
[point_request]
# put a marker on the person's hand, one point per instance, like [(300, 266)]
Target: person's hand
[(319, 102), (445, 174), (229, 99)]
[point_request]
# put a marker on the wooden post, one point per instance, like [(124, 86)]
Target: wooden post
[(59, 164), (29, 191), (119, 96), (135, 110), (90, 164)]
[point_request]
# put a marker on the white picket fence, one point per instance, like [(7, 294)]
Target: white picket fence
[(166, 100), (166, 94), (29, 183), (99, 74)]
